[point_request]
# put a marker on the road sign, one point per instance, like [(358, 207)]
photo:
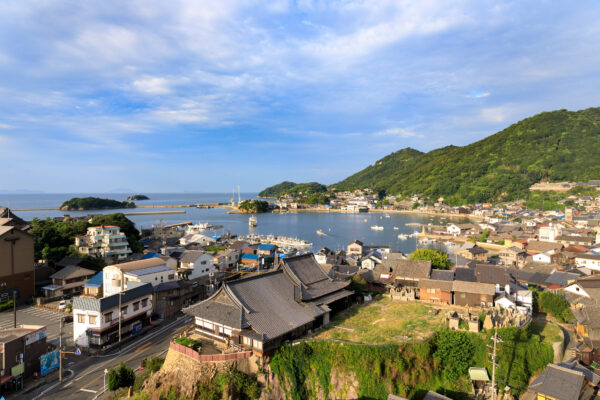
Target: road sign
[(78, 351)]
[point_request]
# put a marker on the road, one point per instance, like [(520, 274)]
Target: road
[(83, 376)]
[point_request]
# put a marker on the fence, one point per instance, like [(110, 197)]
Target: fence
[(208, 357)]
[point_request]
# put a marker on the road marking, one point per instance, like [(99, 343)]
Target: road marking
[(88, 390), (135, 354), (142, 347)]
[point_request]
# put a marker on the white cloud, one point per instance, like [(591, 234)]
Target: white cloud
[(5, 126), (152, 85), (477, 94), (399, 132)]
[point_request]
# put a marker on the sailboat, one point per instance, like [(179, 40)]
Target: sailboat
[(320, 232)]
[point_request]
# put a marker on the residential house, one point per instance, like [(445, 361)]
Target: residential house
[(576, 240), (476, 252), (590, 261), (171, 297), (105, 241), (260, 312), (266, 250), (549, 233), (512, 257), (410, 272), (96, 321), (153, 270), (93, 286), (249, 260), (325, 256), (196, 264), (16, 261), (564, 381), (355, 247), (438, 289), (536, 246), (226, 259), (197, 239), (20, 351), (370, 260), (458, 229), (473, 294), (588, 323), (69, 281)]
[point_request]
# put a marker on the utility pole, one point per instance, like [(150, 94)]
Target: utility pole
[(494, 365), (60, 352), (14, 308), (120, 320)]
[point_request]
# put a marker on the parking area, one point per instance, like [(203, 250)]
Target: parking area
[(30, 315)]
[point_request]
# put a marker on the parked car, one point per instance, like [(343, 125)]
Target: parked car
[(62, 305)]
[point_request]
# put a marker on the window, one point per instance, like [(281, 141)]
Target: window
[(124, 310), (171, 277), (136, 306), (107, 317), (203, 262), (93, 319), (247, 341), (144, 302), (81, 318)]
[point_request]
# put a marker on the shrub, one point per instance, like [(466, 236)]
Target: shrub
[(123, 376), (6, 306), (556, 305), (189, 342), (153, 364), (439, 259), (112, 381)]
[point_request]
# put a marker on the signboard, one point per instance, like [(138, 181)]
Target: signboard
[(35, 336), (18, 369), (48, 362), (385, 276), (136, 328)]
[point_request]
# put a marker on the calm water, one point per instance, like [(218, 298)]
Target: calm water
[(340, 228)]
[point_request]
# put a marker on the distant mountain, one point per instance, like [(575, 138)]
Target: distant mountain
[(554, 146), (292, 188)]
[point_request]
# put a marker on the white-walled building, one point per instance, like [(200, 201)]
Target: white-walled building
[(591, 261), (152, 270), (105, 241), (226, 259), (549, 233), (196, 264), (198, 238), (96, 321)]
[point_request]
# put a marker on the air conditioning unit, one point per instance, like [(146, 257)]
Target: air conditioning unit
[(116, 283)]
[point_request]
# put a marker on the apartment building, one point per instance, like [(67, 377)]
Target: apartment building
[(96, 321), (117, 278), (105, 241)]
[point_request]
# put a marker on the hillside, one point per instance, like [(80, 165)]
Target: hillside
[(556, 146), (286, 187)]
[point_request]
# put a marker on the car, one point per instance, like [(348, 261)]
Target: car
[(68, 318), (62, 305)]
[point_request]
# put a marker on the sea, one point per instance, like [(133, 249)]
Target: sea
[(339, 228)]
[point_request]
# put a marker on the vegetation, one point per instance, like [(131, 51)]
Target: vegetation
[(556, 305), (7, 305), (553, 146), (409, 370), (94, 203), (54, 240), (383, 321), (189, 342), (153, 364), (123, 376), (254, 206), (439, 259), (296, 189), (214, 249), (137, 197)]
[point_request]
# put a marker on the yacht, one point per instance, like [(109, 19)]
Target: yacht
[(402, 236), (377, 227), (396, 228), (320, 232), (252, 221)]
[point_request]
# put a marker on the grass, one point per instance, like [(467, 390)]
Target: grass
[(383, 322), (549, 332)]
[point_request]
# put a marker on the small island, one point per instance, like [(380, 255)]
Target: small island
[(253, 206), (93, 203), (137, 197)]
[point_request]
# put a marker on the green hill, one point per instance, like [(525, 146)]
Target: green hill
[(555, 146), (286, 187), (93, 203)]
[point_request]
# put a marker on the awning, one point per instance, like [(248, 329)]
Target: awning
[(51, 287), (478, 374)]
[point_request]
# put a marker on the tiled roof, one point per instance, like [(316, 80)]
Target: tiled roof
[(190, 256), (561, 278), (106, 303), (474, 287), (436, 284), (559, 382), (412, 269), (72, 272), (307, 274), (149, 270), (486, 273), (139, 264), (442, 275), (465, 274)]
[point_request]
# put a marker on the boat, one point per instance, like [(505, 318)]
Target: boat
[(377, 227), (402, 236), (387, 216), (396, 228), (201, 227), (252, 221), (320, 232), (365, 220), (413, 224)]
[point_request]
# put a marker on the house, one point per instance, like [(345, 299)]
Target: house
[(96, 321), (152, 270), (196, 264), (266, 250), (458, 229), (589, 260), (588, 323), (93, 286), (68, 281), (16, 261), (536, 246), (437, 289), (197, 239), (410, 272), (260, 312), (567, 240), (171, 297), (355, 247), (226, 259), (249, 260), (564, 381), (20, 351), (476, 252), (473, 294), (371, 260), (512, 257), (549, 233), (325, 256), (495, 275), (105, 241)]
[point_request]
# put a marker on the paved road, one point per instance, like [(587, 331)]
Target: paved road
[(83, 376), (30, 315)]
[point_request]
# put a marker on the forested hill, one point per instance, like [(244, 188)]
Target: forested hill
[(286, 187), (556, 146)]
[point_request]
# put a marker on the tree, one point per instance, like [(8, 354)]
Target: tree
[(126, 375), (113, 380), (439, 259), (454, 350)]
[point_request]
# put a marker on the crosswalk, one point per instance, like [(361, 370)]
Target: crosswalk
[(38, 316)]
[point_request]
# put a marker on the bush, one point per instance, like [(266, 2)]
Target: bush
[(112, 381), (123, 376), (189, 342), (153, 364), (439, 259), (556, 305)]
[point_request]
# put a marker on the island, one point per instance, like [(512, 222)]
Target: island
[(94, 203), (253, 207), (137, 197)]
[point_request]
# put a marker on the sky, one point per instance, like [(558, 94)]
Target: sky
[(203, 96)]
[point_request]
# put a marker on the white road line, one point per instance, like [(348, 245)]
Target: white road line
[(89, 390)]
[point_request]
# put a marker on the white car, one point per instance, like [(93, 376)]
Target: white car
[(62, 305)]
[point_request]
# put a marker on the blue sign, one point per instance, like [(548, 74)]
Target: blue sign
[(136, 328), (48, 362)]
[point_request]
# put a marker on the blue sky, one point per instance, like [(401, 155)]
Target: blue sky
[(180, 95)]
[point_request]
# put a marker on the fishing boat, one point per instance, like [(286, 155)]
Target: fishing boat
[(387, 216), (413, 224), (402, 236), (201, 227), (396, 228), (252, 221), (320, 232), (365, 220), (377, 227)]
